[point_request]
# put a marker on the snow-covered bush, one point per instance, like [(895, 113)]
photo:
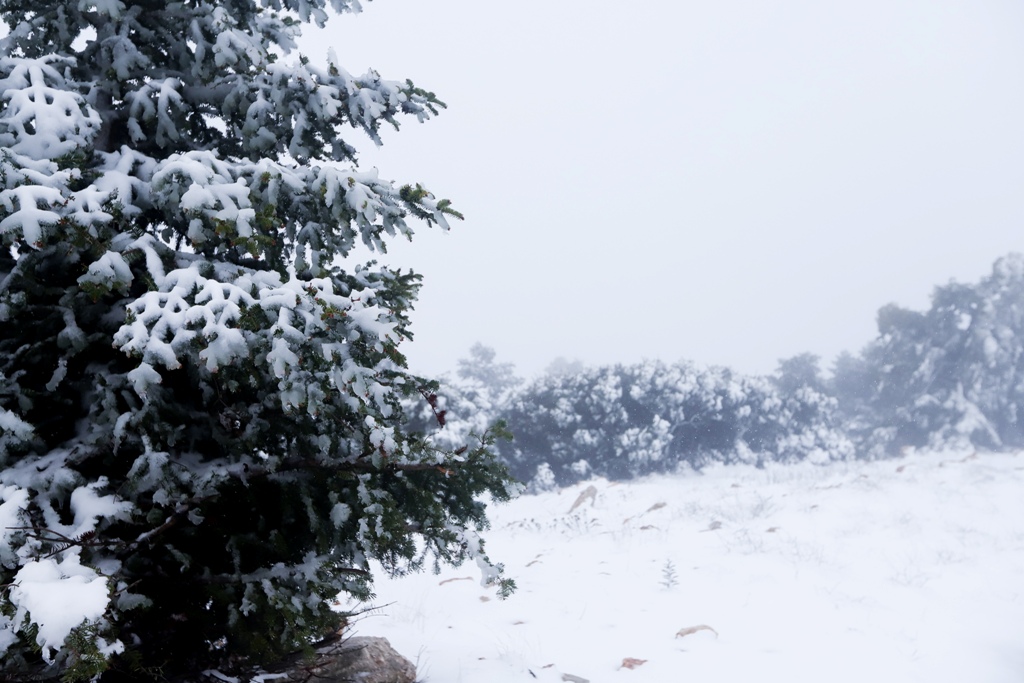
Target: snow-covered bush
[(625, 421), (202, 438)]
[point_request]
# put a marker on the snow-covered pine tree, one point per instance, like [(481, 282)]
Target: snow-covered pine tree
[(951, 376), (201, 435)]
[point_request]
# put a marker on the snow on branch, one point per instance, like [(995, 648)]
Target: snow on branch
[(43, 118), (195, 317), (59, 595)]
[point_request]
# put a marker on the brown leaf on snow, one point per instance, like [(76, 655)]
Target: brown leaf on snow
[(972, 456), (461, 578), (690, 630), (589, 493), (632, 663)]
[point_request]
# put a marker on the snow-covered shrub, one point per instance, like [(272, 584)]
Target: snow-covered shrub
[(202, 434), (621, 422)]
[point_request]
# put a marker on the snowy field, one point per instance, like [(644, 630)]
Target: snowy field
[(897, 571)]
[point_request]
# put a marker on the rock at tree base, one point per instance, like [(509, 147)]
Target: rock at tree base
[(360, 660)]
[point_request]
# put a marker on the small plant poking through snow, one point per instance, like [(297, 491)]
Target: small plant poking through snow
[(669, 578)]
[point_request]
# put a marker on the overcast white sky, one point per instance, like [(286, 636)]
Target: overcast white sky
[(731, 182)]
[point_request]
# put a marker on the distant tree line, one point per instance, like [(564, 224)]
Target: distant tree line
[(952, 376)]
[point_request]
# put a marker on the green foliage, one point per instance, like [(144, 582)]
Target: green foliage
[(85, 662)]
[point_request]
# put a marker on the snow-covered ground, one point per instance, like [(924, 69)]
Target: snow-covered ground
[(896, 571)]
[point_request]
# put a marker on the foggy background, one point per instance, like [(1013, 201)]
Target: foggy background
[(731, 182)]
